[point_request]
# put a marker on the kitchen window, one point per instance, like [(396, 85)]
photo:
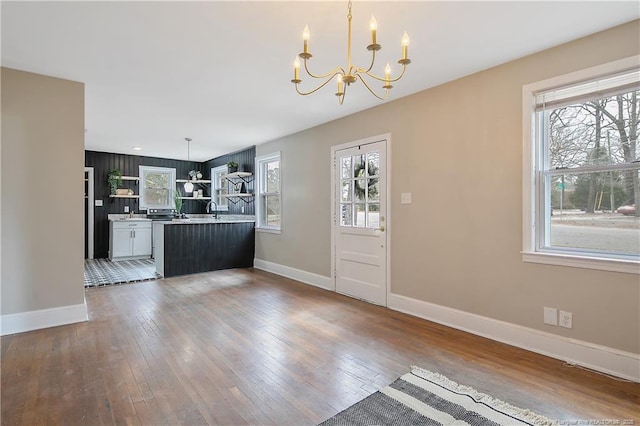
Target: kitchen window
[(157, 187), (269, 200), (220, 187), (581, 179)]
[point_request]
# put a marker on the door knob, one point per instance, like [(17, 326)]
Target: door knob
[(381, 229)]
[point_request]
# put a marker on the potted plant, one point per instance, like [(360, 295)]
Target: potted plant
[(195, 174), (232, 167), (114, 179), (177, 200)]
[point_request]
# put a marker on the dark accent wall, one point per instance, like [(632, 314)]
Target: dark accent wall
[(103, 162), (246, 163)]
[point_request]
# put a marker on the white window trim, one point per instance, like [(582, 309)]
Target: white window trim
[(260, 227), (214, 182), (172, 186), (529, 151)]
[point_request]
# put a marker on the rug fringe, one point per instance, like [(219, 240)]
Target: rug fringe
[(519, 413)]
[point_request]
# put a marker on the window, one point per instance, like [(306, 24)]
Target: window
[(582, 169), (220, 187), (157, 187), (268, 207)]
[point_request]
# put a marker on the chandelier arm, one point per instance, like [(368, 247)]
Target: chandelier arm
[(317, 88), (370, 89), (373, 60), (331, 73), (391, 80)]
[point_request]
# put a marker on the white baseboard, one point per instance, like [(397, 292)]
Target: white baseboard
[(596, 357), (295, 274), (589, 355), (44, 318)]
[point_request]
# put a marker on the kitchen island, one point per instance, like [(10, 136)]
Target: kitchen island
[(189, 246)]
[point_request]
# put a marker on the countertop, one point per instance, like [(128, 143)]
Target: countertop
[(227, 218), (192, 219)]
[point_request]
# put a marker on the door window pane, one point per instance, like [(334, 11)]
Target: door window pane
[(358, 166), (346, 191), (345, 215), (359, 215), (360, 190), (345, 165), (373, 216), (373, 163), (373, 190)]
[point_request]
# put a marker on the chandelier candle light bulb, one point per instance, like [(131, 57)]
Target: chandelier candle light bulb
[(345, 76), (296, 70), (387, 77), (373, 25), (305, 39), (405, 46)]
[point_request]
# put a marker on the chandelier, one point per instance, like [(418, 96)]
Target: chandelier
[(352, 73)]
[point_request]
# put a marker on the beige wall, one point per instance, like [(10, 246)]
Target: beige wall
[(42, 202), (457, 248)]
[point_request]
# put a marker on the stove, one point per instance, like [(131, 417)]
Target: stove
[(161, 214)]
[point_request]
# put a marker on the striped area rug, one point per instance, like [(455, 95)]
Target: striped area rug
[(425, 398)]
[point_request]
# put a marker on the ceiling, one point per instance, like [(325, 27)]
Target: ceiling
[(219, 72)]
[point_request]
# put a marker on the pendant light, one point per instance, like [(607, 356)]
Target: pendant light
[(188, 186)]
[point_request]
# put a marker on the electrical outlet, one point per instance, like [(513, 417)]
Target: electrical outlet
[(126, 209), (242, 209), (405, 198), (550, 316), (566, 319)]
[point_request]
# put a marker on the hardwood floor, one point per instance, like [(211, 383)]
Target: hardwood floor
[(247, 347)]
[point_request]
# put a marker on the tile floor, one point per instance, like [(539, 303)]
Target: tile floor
[(100, 272)]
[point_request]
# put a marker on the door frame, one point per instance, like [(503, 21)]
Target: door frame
[(90, 201), (385, 137)]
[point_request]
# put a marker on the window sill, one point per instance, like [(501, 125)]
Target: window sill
[(268, 230), (574, 261)]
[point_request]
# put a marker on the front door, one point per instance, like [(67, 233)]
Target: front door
[(360, 235)]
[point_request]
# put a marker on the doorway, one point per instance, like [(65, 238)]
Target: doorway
[(88, 212), (360, 232)]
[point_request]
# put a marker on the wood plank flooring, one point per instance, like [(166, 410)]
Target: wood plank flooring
[(247, 347)]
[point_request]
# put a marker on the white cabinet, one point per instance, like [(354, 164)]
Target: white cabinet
[(129, 239)]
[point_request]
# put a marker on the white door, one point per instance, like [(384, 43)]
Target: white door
[(360, 232)]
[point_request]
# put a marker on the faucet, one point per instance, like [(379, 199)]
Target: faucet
[(215, 212)]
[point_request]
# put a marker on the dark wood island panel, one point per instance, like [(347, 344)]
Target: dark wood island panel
[(191, 248)]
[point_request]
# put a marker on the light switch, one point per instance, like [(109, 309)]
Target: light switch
[(98, 203), (405, 198)]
